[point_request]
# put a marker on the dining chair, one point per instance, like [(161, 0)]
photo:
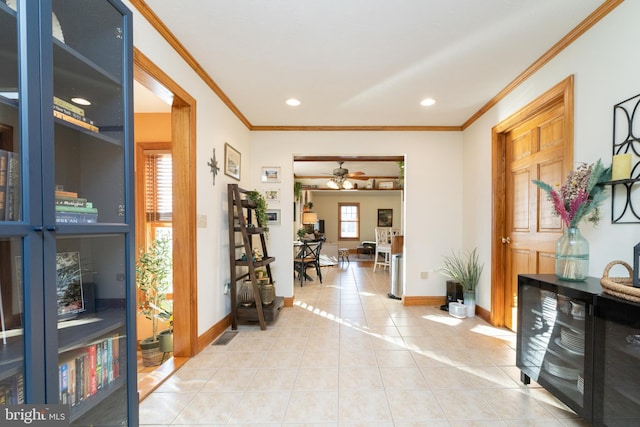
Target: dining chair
[(383, 247), (308, 257)]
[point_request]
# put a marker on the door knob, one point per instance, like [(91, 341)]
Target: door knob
[(506, 240)]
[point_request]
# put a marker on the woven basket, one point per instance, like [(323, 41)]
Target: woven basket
[(621, 287)]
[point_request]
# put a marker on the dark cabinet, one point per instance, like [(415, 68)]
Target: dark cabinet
[(67, 259), (617, 362), (589, 359), (555, 337)]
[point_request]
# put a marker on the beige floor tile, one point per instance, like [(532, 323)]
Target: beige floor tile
[(312, 407), (345, 355), (261, 407), (364, 406)]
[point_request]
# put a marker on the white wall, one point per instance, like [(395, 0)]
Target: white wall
[(433, 185), (215, 126), (605, 64), (325, 204), (447, 186)]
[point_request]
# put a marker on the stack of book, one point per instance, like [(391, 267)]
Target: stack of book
[(71, 113), (12, 390), (9, 186), (92, 368), (71, 209)]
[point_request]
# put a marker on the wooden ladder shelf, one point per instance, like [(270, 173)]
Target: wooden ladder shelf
[(243, 267)]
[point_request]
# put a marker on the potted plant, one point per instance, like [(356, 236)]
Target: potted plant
[(153, 278), (261, 207), (465, 269)]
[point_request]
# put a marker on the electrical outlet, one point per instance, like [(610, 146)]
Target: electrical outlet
[(424, 275), (227, 288), (202, 221)]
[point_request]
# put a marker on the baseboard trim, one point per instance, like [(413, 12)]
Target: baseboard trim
[(214, 332), (424, 300)]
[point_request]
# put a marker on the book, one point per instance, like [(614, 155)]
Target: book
[(69, 119), (71, 202), (76, 218), (67, 194), (4, 158), (79, 378), (93, 364), (98, 347), (64, 383), (110, 359), (72, 382), (13, 191), (115, 345), (86, 386), (80, 209), (68, 106)]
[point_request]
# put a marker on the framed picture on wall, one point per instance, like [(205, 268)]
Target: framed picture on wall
[(272, 195), (273, 216), (270, 174), (385, 185), (231, 162), (385, 217)]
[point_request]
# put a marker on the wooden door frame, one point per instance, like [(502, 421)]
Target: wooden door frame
[(560, 93), (183, 151)]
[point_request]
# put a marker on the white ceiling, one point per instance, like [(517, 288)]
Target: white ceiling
[(363, 63), (366, 63)]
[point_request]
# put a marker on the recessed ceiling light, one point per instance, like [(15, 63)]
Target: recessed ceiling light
[(293, 102), (80, 101), (427, 102)]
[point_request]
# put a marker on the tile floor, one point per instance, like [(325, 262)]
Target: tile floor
[(346, 355)]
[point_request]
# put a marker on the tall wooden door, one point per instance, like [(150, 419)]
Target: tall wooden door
[(535, 149)]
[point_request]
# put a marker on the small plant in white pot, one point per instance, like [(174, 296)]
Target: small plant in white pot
[(153, 278), (464, 268)]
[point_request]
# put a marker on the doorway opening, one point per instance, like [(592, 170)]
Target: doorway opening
[(178, 146)]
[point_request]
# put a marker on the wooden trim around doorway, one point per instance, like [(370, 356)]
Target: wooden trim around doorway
[(560, 93), (183, 150)]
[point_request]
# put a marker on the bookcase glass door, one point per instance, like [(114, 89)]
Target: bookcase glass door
[(11, 322), (10, 183), (88, 112), (12, 319), (91, 310)]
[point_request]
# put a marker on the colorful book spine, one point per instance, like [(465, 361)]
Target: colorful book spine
[(64, 383), (80, 378), (79, 209), (93, 364), (69, 119), (76, 218), (98, 347), (68, 106), (71, 202), (116, 356), (87, 375), (68, 194), (72, 382), (12, 193)]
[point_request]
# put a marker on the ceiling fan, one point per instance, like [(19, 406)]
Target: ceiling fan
[(340, 176)]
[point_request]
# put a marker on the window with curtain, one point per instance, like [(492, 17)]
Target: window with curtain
[(349, 221)]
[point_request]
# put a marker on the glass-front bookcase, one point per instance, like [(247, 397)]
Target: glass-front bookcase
[(67, 273)]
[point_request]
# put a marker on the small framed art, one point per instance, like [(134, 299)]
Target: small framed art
[(272, 195), (273, 216), (385, 217), (270, 174), (231, 162), (385, 185)]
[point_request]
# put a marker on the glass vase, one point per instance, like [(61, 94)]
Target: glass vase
[(572, 256)]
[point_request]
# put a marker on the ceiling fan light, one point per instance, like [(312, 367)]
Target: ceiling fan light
[(332, 184), (347, 185)]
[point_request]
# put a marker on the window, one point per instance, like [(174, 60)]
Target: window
[(158, 196), (349, 221)]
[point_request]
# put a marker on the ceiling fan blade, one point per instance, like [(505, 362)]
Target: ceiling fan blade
[(360, 178)]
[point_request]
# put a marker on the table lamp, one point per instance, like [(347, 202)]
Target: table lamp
[(308, 220)]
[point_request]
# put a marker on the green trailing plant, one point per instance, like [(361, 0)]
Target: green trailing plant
[(400, 164), (464, 268), (301, 233), (261, 207), (297, 190), (154, 270)]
